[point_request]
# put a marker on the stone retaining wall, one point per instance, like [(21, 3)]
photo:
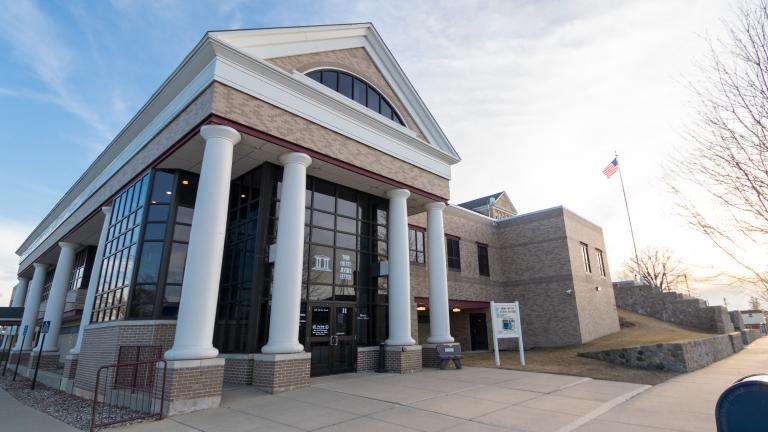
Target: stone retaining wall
[(673, 307), (750, 335), (685, 356)]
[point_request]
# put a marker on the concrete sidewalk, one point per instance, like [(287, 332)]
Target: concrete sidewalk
[(17, 417), (684, 403)]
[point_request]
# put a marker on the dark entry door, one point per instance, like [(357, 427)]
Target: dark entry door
[(478, 332), (332, 338)]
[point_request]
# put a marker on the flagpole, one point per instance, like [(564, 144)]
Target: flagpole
[(626, 205)]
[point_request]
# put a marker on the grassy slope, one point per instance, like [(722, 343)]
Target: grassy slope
[(565, 361)]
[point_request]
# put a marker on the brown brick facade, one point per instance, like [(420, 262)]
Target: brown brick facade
[(238, 368), (102, 342), (353, 60), (403, 359), (192, 385), (245, 109), (367, 358), (48, 360), (276, 373)]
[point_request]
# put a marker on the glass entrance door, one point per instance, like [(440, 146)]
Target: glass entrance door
[(332, 338)]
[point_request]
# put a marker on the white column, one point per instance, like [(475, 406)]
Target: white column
[(286, 287), (93, 281), (202, 271), (57, 297), (399, 270), (439, 316), (20, 293), (31, 307)]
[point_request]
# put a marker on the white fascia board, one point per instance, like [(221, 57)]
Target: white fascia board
[(468, 214), (176, 105), (304, 97)]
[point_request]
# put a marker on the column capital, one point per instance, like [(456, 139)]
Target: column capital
[(68, 245), (107, 210), (296, 158), (398, 193), (40, 266), (437, 205), (21, 278), (218, 131)]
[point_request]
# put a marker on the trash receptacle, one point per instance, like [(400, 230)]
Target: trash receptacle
[(743, 407)]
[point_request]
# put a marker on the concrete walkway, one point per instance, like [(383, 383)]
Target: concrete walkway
[(684, 403), (477, 399), (16, 417)]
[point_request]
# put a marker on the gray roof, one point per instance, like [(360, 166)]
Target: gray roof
[(479, 202)]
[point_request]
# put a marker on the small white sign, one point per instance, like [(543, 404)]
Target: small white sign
[(505, 321)]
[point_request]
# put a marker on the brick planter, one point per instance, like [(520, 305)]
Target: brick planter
[(192, 385), (430, 358), (403, 359), (276, 373)]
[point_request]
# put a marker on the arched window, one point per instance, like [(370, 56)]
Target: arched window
[(357, 90)]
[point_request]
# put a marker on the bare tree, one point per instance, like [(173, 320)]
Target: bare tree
[(727, 168), (659, 269), (754, 303)]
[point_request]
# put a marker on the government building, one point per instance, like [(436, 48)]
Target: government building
[(277, 210)]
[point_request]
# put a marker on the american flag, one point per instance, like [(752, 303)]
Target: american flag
[(611, 168)]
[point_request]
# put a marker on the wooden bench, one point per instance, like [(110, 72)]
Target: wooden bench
[(446, 353)]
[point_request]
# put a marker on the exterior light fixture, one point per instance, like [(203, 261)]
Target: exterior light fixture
[(185, 182), (456, 309), (597, 288), (242, 195), (168, 193), (421, 308)]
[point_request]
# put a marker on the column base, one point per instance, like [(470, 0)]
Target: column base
[(68, 375), (402, 359), (276, 373), (367, 358), (192, 385), (49, 360), (430, 358)]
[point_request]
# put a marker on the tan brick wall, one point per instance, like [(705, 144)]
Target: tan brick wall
[(48, 361), (354, 60), (396, 360), (192, 382), (70, 368), (242, 108), (367, 359), (238, 370), (101, 345)]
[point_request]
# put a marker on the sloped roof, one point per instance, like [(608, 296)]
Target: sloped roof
[(479, 202)]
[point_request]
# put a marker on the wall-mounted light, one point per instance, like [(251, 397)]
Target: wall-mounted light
[(185, 182), (242, 195), (168, 193), (456, 309), (569, 291), (421, 308), (597, 288)]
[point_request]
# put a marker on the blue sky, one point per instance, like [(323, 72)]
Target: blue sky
[(535, 96)]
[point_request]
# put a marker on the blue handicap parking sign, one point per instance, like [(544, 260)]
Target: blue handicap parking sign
[(46, 326), (24, 332)]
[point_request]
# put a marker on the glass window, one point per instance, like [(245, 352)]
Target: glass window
[(184, 215), (360, 90), (162, 187), (373, 100), (482, 260), (585, 257), (346, 267), (321, 219), (154, 231), (157, 213), (600, 262), (149, 264), (320, 265), (322, 236), (453, 253), (331, 79), (324, 197), (176, 263), (416, 245), (345, 85)]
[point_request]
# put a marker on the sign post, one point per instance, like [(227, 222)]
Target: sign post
[(505, 322), (8, 352), (44, 331), (21, 349)]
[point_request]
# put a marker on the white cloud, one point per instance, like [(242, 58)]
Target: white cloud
[(37, 41), (12, 233)]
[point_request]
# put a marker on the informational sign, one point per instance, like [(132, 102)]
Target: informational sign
[(46, 326), (322, 263), (320, 329), (345, 268), (505, 322), (25, 330)]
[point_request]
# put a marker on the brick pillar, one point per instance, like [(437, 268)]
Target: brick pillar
[(403, 359), (276, 373), (68, 375), (238, 368), (192, 385)]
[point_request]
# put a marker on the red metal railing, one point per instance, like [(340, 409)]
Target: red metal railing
[(127, 392)]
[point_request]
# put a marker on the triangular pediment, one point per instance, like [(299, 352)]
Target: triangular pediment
[(355, 48)]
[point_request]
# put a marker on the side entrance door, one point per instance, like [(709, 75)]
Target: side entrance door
[(478, 332), (332, 338)]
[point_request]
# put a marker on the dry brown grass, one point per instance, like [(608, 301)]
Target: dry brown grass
[(564, 360)]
